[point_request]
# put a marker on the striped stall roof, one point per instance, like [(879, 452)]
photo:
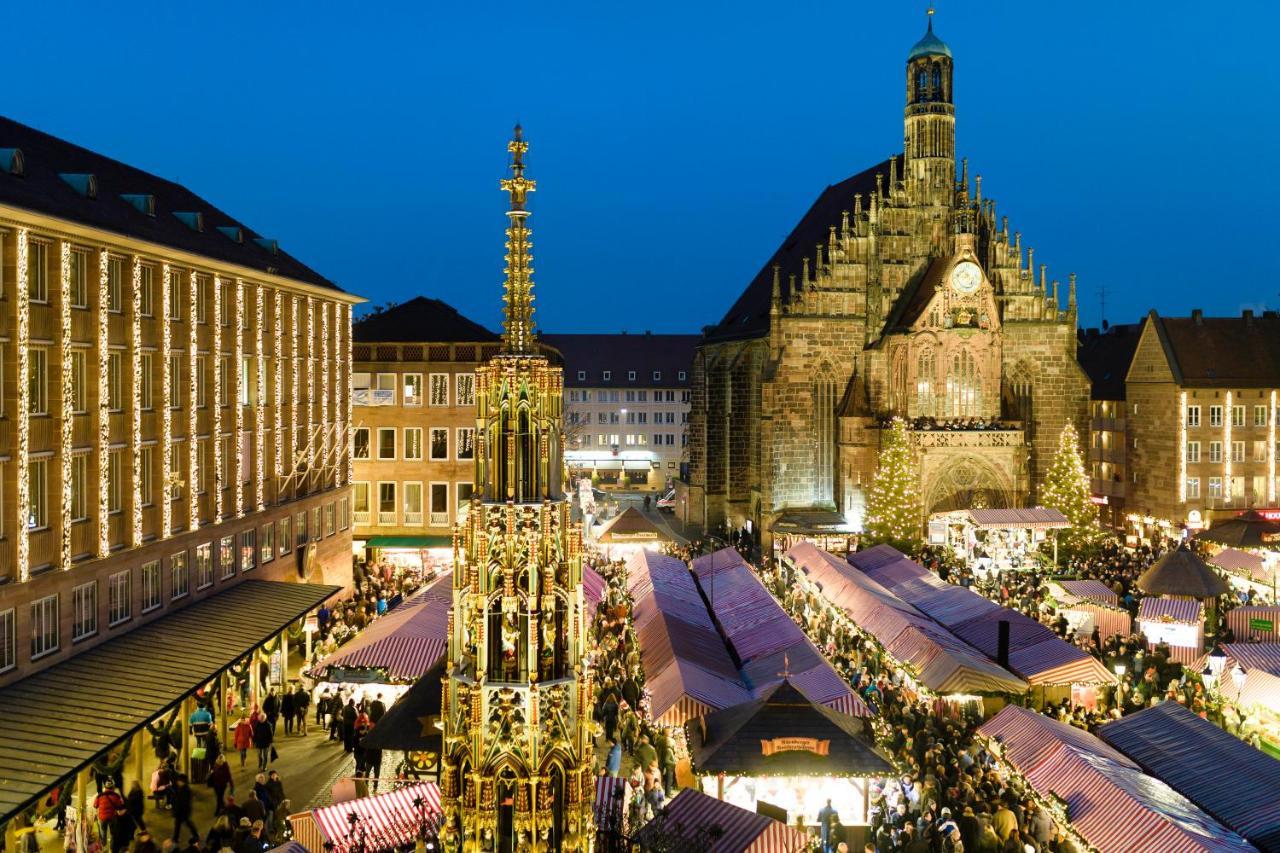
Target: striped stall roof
[(1241, 563), (1091, 590), (1036, 653), (1108, 620), (1185, 611), (405, 643), (389, 820), (592, 591), (1111, 802), (720, 827), (1261, 688), (1032, 518), (610, 804), (682, 690), (1246, 623), (1189, 753)]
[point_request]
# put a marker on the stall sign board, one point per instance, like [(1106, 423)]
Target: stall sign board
[(795, 744), (1256, 624), (938, 532)]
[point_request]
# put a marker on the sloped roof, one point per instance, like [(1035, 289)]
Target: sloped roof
[(42, 189), (419, 319), (1190, 753), (1249, 529), (719, 827), (730, 741), (631, 525), (749, 315), (1182, 572), (1222, 352), (1106, 356), (668, 355), (410, 723), (917, 295)]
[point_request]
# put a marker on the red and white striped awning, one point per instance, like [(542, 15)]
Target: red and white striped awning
[(1184, 611), (1091, 590), (387, 820), (1250, 624), (610, 805), (1261, 688), (1034, 518), (692, 813), (592, 591)]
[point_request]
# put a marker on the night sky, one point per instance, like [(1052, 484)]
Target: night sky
[(675, 144)]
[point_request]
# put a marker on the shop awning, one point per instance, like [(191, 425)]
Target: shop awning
[(1090, 590), (59, 720), (410, 542), (604, 465), (1033, 518), (1178, 610), (691, 814), (387, 821)]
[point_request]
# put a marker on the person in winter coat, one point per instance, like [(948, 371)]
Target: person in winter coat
[(301, 702), (181, 798), (220, 780), (243, 737), (275, 789), (286, 710), (110, 806), (262, 738), (271, 707), (136, 803)]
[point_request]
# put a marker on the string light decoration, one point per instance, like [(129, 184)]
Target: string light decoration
[(1226, 446), (1182, 448), (135, 430), (293, 367), (22, 365), (216, 428), (278, 366), (67, 406), (166, 401), (324, 390), (193, 367), (311, 379), (237, 408), (342, 368), (104, 404), (260, 397), (1271, 451)]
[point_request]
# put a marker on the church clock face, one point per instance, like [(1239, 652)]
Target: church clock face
[(966, 277)]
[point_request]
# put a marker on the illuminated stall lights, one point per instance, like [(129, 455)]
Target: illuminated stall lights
[(22, 366)]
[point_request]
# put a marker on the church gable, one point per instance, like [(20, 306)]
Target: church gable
[(953, 294)]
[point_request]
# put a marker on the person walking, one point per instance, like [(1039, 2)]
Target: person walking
[(271, 707), (826, 822), (110, 806), (349, 716), (613, 764), (286, 710), (262, 738), (220, 780), (181, 799), (243, 737), (322, 707), (376, 709), (136, 804), (301, 702)]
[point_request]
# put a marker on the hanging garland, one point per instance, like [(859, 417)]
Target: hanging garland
[(104, 768)]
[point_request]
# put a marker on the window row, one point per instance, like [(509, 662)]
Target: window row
[(637, 396), (660, 439), (380, 389), (410, 450), (1214, 488), (1258, 451), (401, 504), (1216, 414), (607, 375)]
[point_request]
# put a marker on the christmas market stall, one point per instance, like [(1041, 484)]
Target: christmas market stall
[(785, 754), (934, 661), (687, 669), (1255, 624), (1089, 604), (695, 821), (385, 822), (1176, 622), (1099, 795), (412, 725), (1181, 573), (764, 639), (1189, 754), (1249, 571), (1247, 676), (1054, 668), (628, 532), (422, 555), (996, 540)]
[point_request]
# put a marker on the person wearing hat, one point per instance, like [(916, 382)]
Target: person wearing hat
[(111, 808)]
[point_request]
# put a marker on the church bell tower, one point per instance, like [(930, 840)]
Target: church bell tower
[(930, 132), (517, 759)]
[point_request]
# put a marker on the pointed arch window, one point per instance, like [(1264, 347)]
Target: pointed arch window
[(926, 383), (824, 418), (964, 386)]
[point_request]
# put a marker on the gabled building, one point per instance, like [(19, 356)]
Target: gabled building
[(1105, 356)]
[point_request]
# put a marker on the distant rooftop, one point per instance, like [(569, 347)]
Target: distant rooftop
[(1222, 352), (419, 320), (622, 355), (48, 175), (1105, 355)]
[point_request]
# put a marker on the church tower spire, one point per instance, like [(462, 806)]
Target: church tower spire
[(516, 759), (930, 127)]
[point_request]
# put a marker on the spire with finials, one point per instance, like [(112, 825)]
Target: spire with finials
[(517, 323)]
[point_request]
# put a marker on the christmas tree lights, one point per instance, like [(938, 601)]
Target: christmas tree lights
[(893, 503), (22, 367), (1066, 488)]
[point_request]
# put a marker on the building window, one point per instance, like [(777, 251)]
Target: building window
[(465, 443), (1215, 416), (175, 294), (145, 489), (657, 376), (413, 389), (84, 611), (78, 283), (8, 640), (225, 385), (1237, 451), (37, 380), (179, 580), (174, 480), (315, 524), (413, 504), (360, 445), (1259, 451), (413, 443), (464, 498), (439, 389), (38, 487), (1215, 487), (115, 481), (360, 498), (44, 626), (79, 481), (301, 528), (119, 603), (1237, 487), (144, 379), (204, 565), (439, 504), (1237, 416), (344, 513), (1215, 451), (268, 551), (386, 442), (1193, 416), (224, 296), (115, 381), (78, 402), (1193, 488), (1259, 416), (38, 271), (150, 585), (682, 376), (144, 292), (439, 444), (202, 299), (248, 549), (227, 556), (285, 534), (201, 381), (361, 389), (465, 389), (606, 375), (1193, 451), (330, 518), (115, 277), (1259, 489), (582, 376), (175, 380), (386, 503), (631, 376), (202, 465)]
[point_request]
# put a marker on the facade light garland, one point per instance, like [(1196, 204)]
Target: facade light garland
[(67, 406), (135, 408), (325, 416), (296, 391), (237, 407), (166, 402), (343, 367), (193, 366), (1271, 451), (22, 365), (1226, 448), (1182, 448), (311, 382), (259, 399), (215, 429), (277, 425), (104, 404)]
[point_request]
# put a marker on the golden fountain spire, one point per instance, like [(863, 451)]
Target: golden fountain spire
[(517, 323)]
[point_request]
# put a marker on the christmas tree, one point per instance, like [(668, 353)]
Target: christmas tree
[(1066, 489), (893, 504)]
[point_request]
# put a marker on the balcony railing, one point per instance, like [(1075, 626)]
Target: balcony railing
[(439, 519), (412, 519), (362, 517), (387, 518)]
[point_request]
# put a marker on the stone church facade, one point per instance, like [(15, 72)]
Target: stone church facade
[(899, 293)]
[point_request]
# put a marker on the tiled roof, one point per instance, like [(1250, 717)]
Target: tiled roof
[(419, 320), (749, 316), (621, 354), (55, 182), (1105, 357), (1222, 352)]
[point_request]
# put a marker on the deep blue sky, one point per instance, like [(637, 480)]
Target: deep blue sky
[(675, 144)]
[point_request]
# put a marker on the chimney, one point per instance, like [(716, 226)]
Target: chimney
[(1247, 315), (1002, 643), (1197, 316)]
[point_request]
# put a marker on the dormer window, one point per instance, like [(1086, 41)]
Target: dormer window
[(86, 185), (582, 376), (606, 375), (11, 161), (271, 246), (631, 376), (144, 203), (193, 220), (232, 233)]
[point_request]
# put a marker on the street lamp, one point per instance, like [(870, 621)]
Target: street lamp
[(1217, 660), (1237, 677), (1209, 676), (1120, 669)]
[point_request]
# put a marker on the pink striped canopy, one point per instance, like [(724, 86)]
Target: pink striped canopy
[(610, 803), (1242, 621), (1108, 620), (1110, 801), (405, 643), (1260, 688), (1186, 611), (388, 820), (592, 591), (692, 813), (1241, 563), (1032, 518), (1091, 590)]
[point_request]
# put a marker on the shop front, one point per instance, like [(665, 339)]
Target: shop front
[(997, 540), (610, 469), (424, 555)]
